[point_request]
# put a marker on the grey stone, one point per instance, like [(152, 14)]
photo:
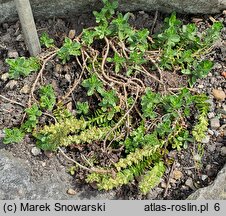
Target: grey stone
[(210, 132), (206, 140), (224, 107), (17, 183), (5, 38), (71, 34), (214, 123), (216, 133), (212, 147), (197, 157), (13, 54), (211, 115), (213, 80), (201, 86), (204, 177), (223, 151), (189, 183), (20, 37), (217, 66), (211, 103), (11, 84), (25, 89), (189, 172), (5, 77), (35, 151), (216, 191), (52, 8)]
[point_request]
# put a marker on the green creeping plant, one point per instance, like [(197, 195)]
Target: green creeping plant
[(46, 40), (150, 125), (47, 97), (183, 46), (22, 66), (13, 135), (109, 99), (69, 48), (93, 84), (33, 113), (82, 107)]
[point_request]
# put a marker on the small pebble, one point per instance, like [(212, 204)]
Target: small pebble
[(210, 132), (25, 89), (43, 164), (11, 84), (48, 154), (58, 68), (163, 185), (177, 174), (20, 37), (68, 77), (204, 177), (35, 151), (69, 106), (211, 147), (5, 26), (217, 66), (71, 34), (214, 123), (224, 107), (6, 38), (223, 151), (217, 133), (210, 74), (211, 103), (67, 68), (70, 191), (218, 94), (212, 80), (5, 77), (189, 183), (211, 115), (208, 167), (201, 86), (13, 54), (206, 140), (189, 172), (172, 181), (197, 157)]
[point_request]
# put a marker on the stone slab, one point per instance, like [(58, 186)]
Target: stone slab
[(65, 8), (16, 183), (216, 191)]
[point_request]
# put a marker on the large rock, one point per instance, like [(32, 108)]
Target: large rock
[(50, 8), (16, 182), (216, 191)]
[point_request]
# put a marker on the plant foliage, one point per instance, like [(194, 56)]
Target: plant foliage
[(22, 66), (122, 110)]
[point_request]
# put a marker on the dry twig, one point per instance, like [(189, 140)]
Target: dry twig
[(12, 101)]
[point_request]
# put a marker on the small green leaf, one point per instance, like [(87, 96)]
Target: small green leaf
[(22, 66), (82, 107), (109, 99), (69, 48), (46, 40), (93, 84), (48, 98), (13, 135)]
